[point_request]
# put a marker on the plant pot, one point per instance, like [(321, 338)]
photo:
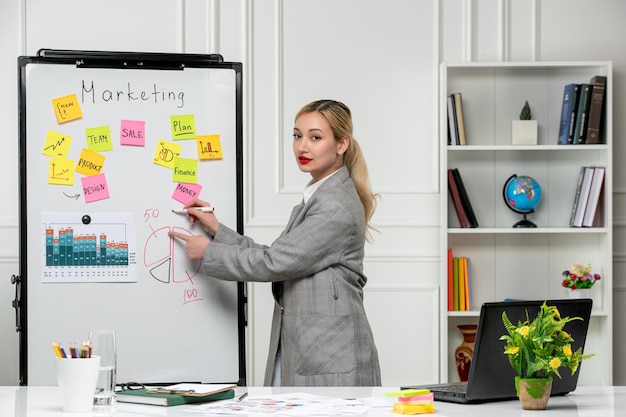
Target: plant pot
[(533, 393), (464, 352), (524, 132), (579, 293)]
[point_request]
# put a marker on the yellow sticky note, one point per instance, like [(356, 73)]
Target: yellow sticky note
[(183, 126), (165, 153), (90, 162), (185, 170), (57, 145), (60, 171), (66, 108), (99, 138), (209, 147)]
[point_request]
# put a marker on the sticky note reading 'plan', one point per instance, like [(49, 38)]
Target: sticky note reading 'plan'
[(185, 170), (66, 108), (60, 171), (183, 127)]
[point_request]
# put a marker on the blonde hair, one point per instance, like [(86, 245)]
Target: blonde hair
[(339, 118)]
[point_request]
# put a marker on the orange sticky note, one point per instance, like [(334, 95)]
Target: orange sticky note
[(209, 147), (89, 163), (66, 108)]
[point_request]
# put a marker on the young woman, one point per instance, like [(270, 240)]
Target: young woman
[(320, 333)]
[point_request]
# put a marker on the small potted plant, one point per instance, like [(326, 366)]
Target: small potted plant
[(524, 130), (536, 349), (578, 280)]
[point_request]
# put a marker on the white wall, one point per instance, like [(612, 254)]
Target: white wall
[(381, 58)]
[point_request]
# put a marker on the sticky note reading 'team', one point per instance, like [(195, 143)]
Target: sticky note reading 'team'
[(60, 171), (95, 188), (57, 145), (90, 162), (99, 138), (133, 132), (183, 126), (184, 192), (165, 153), (185, 170), (209, 147), (66, 108)]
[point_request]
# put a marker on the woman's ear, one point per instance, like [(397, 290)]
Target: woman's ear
[(342, 145)]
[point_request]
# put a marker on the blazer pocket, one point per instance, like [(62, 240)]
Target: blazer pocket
[(325, 345)]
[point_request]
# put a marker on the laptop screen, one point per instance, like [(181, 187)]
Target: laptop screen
[(491, 375)]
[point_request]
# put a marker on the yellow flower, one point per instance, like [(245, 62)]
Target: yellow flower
[(567, 350), (555, 363), (512, 350), (564, 334), (556, 312), (524, 330)]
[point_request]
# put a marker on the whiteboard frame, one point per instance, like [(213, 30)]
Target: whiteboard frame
[(118, 61)]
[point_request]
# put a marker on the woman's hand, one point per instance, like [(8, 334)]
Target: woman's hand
[(195, 246), (209, 222)]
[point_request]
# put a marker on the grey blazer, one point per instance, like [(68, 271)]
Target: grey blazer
[(316, 267)]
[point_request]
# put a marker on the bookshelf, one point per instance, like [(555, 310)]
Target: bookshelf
[(523, 263)]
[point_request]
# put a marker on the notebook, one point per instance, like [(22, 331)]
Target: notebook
[(491, 377)]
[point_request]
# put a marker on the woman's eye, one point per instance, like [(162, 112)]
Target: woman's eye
[(314, 137), (297, 136)]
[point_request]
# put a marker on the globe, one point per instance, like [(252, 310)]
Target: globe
[(521, 194)]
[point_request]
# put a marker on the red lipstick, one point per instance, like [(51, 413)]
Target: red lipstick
[(303, 159)]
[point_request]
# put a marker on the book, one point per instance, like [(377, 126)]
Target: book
[(596, 109), (461, 284), (466, 283), (450, 281), (142, 396), (460, 122), (455, 285), (580, 129), (456, 199), (470, 292), (465, 201), (568, 112), (452, 126), (583, 197), (594, 196), (579, 184)]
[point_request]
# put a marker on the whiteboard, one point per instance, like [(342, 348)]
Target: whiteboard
[(172, 324)]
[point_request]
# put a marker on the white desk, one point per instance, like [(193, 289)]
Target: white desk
[(585, 401)]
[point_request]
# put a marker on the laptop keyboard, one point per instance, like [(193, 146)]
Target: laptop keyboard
[(462, 388)]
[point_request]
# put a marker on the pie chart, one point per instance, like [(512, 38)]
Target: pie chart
[(166, 261)]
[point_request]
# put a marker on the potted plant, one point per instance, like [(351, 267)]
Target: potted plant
[(524, 130), (536, 349), (578, 279)]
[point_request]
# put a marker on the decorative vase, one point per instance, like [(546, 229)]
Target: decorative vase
[(533, 393), (579, 293), (464, 352)]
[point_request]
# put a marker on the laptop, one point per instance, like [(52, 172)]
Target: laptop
[(491, 377)]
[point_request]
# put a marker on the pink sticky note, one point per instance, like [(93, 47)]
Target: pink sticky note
[(95, 188), (185, 192), (133, 132)]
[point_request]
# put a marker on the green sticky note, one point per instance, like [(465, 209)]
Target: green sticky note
[(183, 126), (185, 170), (99, 138)]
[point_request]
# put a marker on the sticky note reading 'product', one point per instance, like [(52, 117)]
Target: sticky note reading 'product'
[(90, 162)]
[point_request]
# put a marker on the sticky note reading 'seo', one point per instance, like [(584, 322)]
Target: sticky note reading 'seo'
[(99, 138), (165, 153), (209, 147), (185, 170), (183, 126), (60, 171), (89, 163), (57, 144), (66, 108)]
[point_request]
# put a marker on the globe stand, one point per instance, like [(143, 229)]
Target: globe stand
[(525, 222)]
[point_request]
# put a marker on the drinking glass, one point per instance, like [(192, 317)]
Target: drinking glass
[(103, 345)]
